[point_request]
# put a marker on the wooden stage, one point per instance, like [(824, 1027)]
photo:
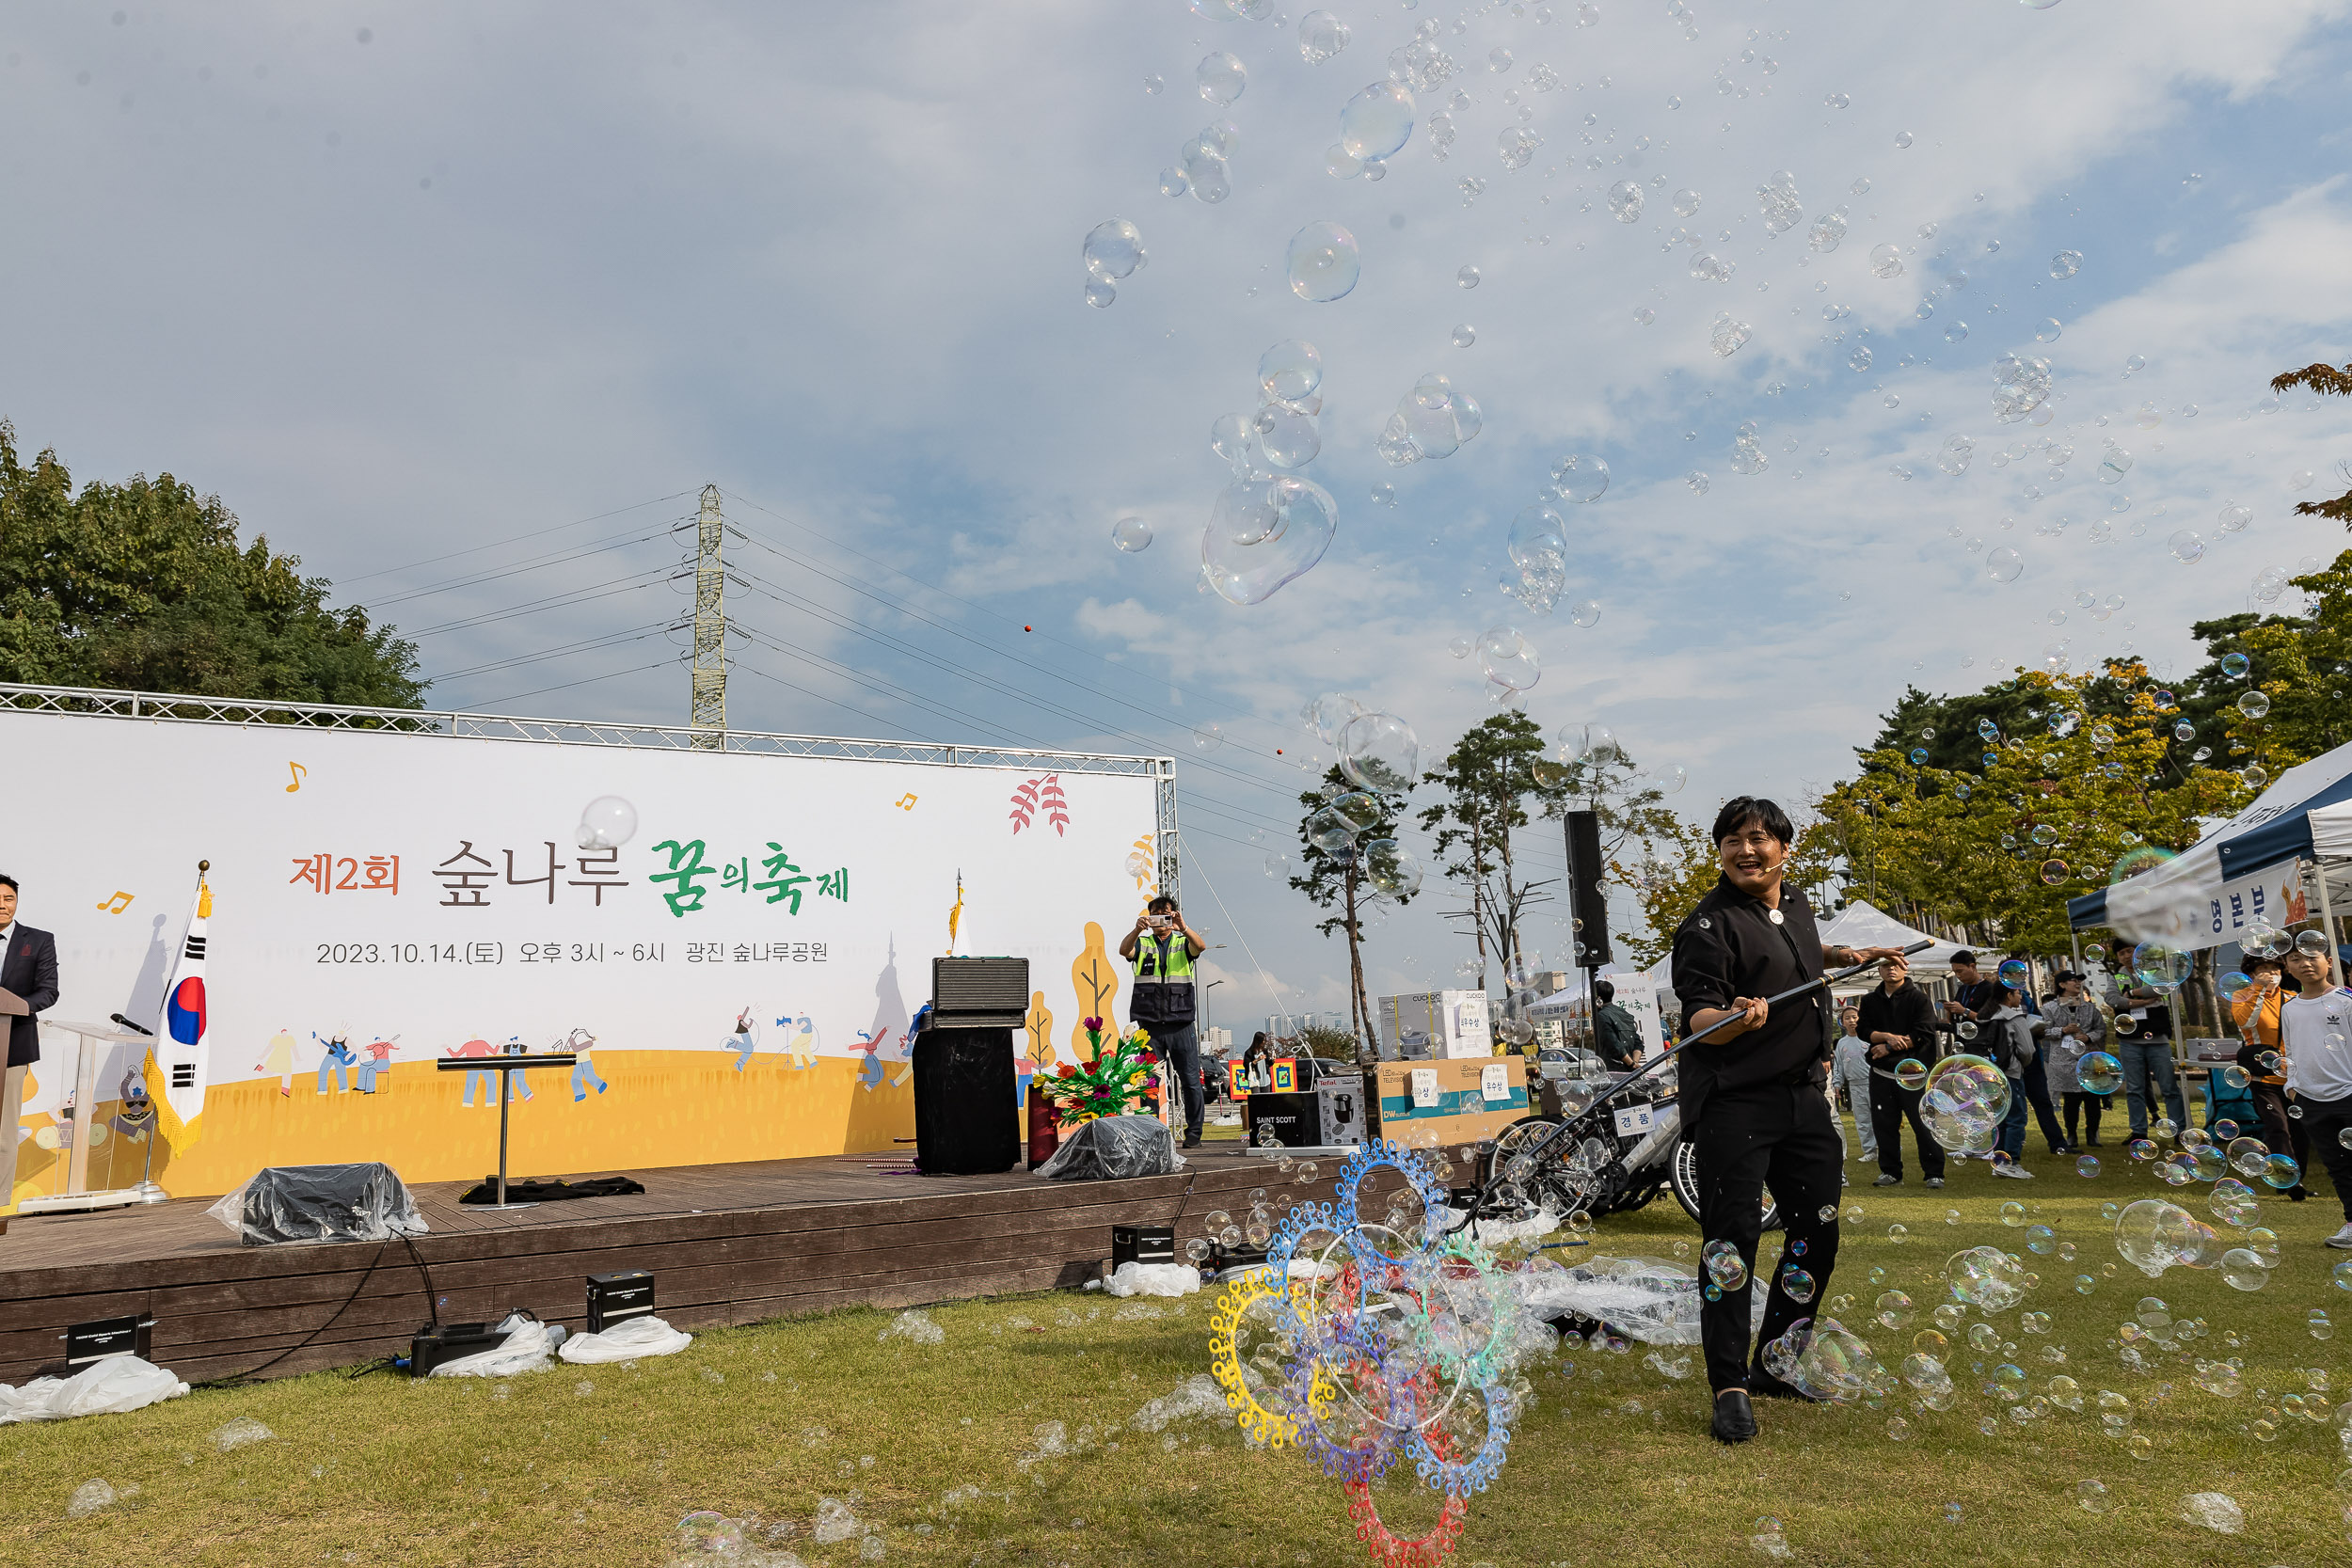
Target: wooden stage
[(726, 1244)]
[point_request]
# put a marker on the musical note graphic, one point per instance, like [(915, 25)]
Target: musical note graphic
[(298, 771), (116, 905), (904, 802)]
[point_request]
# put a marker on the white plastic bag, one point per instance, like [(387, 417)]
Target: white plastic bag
[(1112, 1148), (529, 1345), (1152, 1279), (108, 1388), (626, 1340)]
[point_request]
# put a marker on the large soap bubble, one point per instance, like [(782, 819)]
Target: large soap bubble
[(1265, 532), (1320, 37), (1220, 77), (1965, 1099), (1287, 439), (2019, 387), (1114, 249), (2159, 967), (1321, 263), (1329, 715), (2152, 1236), (1290, 370), (1507, 659), (1393, 868), (1381, 752), (1579, 478), (1986, 1278), (2099, 1072), (606, 822), (1377, 120)]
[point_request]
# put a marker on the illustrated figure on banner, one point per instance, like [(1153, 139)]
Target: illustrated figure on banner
[(482, 1076), (278, 1060), (337, 1058), (580, 1042), (801, 1041), (379, 1061), (744, 1040)]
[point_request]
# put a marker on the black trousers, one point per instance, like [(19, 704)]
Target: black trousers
[(1179, 1045), (1784, 1138), (1891, 1105), (2323, 1122), (2088, 1106)]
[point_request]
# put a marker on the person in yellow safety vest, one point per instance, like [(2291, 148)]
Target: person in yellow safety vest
[(1162, 947)]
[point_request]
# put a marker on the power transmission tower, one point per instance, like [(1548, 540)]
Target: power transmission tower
[(710, 628)]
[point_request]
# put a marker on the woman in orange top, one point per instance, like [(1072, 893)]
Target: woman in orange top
[(2256, 1006)]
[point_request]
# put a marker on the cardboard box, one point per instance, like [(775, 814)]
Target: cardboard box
[(1463, 1101), (1432, 1025)]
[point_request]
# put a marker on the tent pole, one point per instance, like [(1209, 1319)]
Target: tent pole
[(2326, 915)]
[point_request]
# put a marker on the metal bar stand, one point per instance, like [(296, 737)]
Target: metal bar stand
[(504, 1066)]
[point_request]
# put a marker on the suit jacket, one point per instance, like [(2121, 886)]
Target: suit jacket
[(29, 968)]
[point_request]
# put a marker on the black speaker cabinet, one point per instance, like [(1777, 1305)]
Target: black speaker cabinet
[(1142, 1244), (965, 1099), (1588, 901), (980, 993), (617, 1297)]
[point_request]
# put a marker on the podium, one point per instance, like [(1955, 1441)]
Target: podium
[(503, 1066), (90, 1040)]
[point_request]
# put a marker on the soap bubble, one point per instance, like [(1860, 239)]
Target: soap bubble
[(1466, 277), (1376, 121), (2187, 547), (1986, 1278), (2162, 968), (1113, 249), (2153, 1235), (1724, 1264), (1886, 261), (1580, 478), (1286, 437), (1265, 532), (1132, 534), (1507, 659), (1625, 201), (2253, 704), (2088, 1166), (606, 822), (1320, 37), (1911, 1073), (1393, 868), (1321, 263), (2092, 1495), (1379, 752), (1221, 78), (2099, 1072), (2066, 263), (2003, 564), (1291, 370)]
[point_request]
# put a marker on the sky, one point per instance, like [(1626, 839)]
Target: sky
[(464, 305)]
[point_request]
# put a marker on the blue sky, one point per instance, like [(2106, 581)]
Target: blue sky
[(399, 282)]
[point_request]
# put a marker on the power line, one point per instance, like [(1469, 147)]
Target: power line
[(568, 685), (555, 601), (515, 539)]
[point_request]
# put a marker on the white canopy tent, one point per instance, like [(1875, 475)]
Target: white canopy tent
[(2245, 868), (1863, 924)]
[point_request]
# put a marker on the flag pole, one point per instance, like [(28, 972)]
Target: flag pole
[(147, 1191)]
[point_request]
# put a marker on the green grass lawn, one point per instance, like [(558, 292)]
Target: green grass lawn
[(933, 1447)]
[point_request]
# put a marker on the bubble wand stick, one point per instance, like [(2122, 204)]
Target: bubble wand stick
[(1485, 1189)]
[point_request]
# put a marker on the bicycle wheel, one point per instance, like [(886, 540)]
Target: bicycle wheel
[(1684, 1181)]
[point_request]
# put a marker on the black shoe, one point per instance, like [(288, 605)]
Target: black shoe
[(1935, 1182), (2297, 1194), (1193, 1141), (1735, 1419), (1885, 1180), (1763, 1384)]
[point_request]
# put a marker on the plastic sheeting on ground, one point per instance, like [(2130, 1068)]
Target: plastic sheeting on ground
[(1643, 1298), (1152, 1279), (529, 1348), (626, 1340), (1111, 1149), (320, 1203), (108, 1388)]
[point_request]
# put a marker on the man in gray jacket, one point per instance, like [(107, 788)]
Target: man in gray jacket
[(2146, 1047)]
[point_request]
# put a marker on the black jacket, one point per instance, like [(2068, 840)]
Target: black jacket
[(1907, 1012), (29, 968), (1618, 1038), (1731, 946)]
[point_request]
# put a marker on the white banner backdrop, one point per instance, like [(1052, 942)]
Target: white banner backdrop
[(384, 899)]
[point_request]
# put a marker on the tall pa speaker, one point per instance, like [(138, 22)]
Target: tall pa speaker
[(1588, 906), (965, 1095)]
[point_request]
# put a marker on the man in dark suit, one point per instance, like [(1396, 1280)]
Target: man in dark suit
[(28, 967)]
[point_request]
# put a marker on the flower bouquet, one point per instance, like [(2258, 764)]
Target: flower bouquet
[(1117, 1081)]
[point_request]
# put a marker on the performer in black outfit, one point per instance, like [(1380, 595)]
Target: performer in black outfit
[(1751, 1094)]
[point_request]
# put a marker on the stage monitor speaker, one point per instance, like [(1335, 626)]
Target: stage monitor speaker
[(104, 1336), (1142, 1244), (965, 1096), (979, 993), (617, 1297), (1588, 904)]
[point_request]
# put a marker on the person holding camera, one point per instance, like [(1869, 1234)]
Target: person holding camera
[(1162, 947)]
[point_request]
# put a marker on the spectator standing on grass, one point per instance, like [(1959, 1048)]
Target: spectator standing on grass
[(2144, 1048), (1849, 1073), (1897, 1024), (2072, 1028), (1973, 999), (2314, 1027), (2256, 1007), (2008, 1041), (1615, 1033)]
